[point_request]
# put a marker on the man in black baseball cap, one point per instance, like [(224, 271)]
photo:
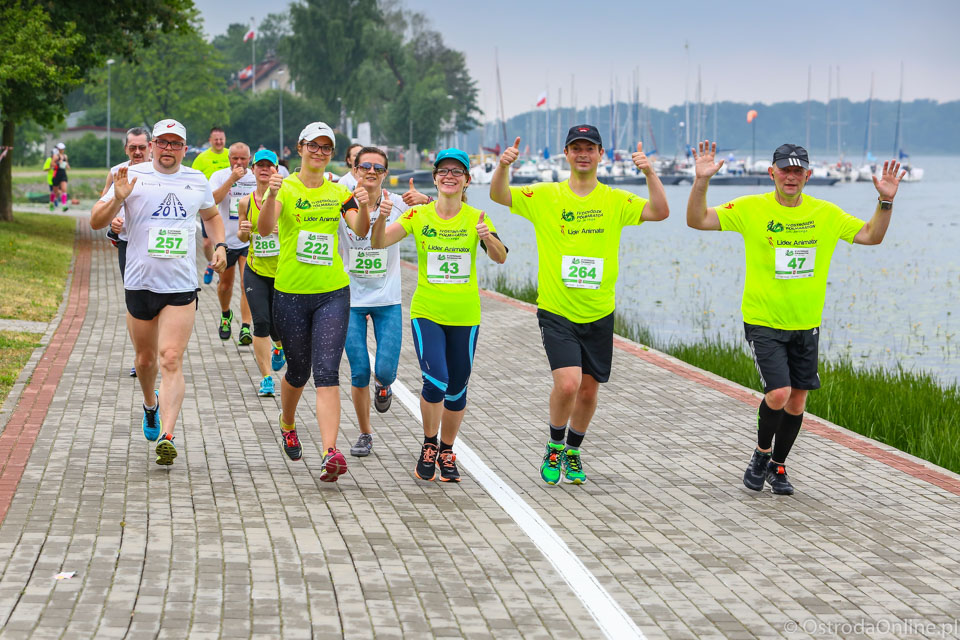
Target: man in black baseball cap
[(789, 239), (586, 132)]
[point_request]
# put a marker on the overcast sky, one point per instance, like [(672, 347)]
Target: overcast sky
[(746, 50)]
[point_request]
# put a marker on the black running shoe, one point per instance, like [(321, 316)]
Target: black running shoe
[(448, 466), (225, 328), (291, 443), (382, 398), (427, 464), (778, 480), (756, 471)]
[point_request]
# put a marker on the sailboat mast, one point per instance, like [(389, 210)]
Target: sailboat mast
[(503, 117), (896, 132), (809, 86), (867, 140), (826, 148), (839, 142)]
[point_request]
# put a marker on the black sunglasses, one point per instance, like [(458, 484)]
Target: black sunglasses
[(367, 166)]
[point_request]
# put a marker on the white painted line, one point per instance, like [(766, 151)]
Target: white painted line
[(610, 617)]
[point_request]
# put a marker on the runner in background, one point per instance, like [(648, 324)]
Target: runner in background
[(445, 310), (578, 224), (229, 186), (51, 169), (261, 269), (348, 179), (789, 238), (374, 293), (209, 161), (61, 164)]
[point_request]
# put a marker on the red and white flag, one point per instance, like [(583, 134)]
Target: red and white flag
[(542, 99), (250, 35), (246, 72)]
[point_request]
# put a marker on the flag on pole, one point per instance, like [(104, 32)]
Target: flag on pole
[(542, 99), (250, 35), (246, 72)]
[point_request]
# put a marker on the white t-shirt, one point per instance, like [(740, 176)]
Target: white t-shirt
[(348, 180), (372, 289), (229, 212), (113, 172), (282, 170), (158, 205)]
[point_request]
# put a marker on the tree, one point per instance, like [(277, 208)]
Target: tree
[(179, 76), (270, 34), (47, 47)]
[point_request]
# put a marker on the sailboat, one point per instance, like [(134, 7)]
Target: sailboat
[(914, 174)]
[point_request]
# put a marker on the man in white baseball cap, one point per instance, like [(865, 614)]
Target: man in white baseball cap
[(161, 200)]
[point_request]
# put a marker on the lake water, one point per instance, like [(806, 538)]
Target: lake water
[(898, 302)]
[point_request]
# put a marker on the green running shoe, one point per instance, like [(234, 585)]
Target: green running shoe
[(572, 467), (246, 336), (550, 468), (225, 330), (166, 451)]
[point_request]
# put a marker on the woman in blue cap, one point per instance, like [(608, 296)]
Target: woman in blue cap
[(445, 311)]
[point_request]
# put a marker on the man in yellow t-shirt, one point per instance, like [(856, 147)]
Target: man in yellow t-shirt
[(208, 162), (788, 240), (578, 224)]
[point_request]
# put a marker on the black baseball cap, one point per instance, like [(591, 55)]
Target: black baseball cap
[(791, 155), (586, 132)]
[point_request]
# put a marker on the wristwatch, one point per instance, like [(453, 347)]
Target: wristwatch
[(220, 244), (885, 205)]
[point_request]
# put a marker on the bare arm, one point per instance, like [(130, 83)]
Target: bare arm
[(657, 208), (699, 215), (106, 187), (382, 236), (221, 192), (213, 223), (359, 219), (876, 228), (270, 211), (500, 181), (244, 227)]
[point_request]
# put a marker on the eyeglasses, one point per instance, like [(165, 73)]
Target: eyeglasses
[(176, 145), (367, 166), (457, 173), (313, 147), (137, 147)]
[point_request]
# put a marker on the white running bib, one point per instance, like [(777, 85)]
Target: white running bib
[(579, 272), (792, 263), (367, 263), (167, 242), (266, 246), (315, 248), (235, 207), (448, 268)]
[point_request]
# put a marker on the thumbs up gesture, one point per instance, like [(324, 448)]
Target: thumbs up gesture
[(510, 154), (483, 231), (413, 197), (386, 205), (640, 160)]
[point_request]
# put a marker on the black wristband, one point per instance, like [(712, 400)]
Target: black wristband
[(220, 244)]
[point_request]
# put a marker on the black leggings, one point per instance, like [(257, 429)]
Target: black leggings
[(313, 327), (259, 290)]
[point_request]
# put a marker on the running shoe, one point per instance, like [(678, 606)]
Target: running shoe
[(778, 480), (364, 445), (550, 467), (291, 443), (166, 451), (151, 421), (133, 372), (245, 337), (51, 206), (267, 389), (382, 398), (756, 471), (427, 464), (225, 325), (277, 359), (334, 465), (572, 467), (208, 274), (448, 466)]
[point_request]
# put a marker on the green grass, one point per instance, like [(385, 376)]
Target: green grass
[(15, 350), (35, 253), (909, 410)]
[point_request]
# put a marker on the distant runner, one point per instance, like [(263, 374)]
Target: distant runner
[(60, 163), (445, 310), (578, 224), (209, 161), (161, 200), (789, 238)]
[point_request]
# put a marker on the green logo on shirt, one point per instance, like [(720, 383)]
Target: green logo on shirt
[(567, 216), (428, 231), (302, 204), (774, 227)]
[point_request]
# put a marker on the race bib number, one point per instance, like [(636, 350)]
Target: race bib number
[(792, 263), (367, 263), (579, 272), (164, 242), (234, 208), (266, 246), (448, 268), (315, 248)]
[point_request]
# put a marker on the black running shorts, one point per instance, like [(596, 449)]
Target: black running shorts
[(146, 305), (784, 358), (234, 254), (572, 344)]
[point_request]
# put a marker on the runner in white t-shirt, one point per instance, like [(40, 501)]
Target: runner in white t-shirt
[(161, 200), (137, 148), (229, 187), (374, 292)]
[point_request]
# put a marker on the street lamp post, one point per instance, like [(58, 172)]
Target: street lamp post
[(280, 88), (109, 64)]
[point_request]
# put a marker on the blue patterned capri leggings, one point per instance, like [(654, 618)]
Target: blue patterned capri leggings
[(313, 327)]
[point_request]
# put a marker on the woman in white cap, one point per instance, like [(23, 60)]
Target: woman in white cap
[(311, 306), (60, 164), (445, 311)]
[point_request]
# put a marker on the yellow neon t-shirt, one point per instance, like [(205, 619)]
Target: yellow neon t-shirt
[(266, 267), (309, 261), (578, 242), (447, 291), (208, 162), (788, 252)]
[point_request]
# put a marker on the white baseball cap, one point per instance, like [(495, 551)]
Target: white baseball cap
[(170, 126), (60, 145), (317, 129)]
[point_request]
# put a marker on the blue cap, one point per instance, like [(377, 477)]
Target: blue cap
[(265, 154), (454, 154)]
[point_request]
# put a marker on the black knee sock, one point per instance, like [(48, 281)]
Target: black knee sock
[(557, 434), (445, 447), (786, 436), (225, 314), (574, 438), (430, 440), (768, 422)]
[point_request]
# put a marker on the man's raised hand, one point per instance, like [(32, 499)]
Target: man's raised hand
[(705, 165), (510, 154), (122, 187), (640, 159), (889, 180)]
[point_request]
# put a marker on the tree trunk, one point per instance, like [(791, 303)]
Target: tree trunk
[(6, 174)]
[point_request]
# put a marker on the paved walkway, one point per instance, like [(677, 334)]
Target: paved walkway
[(235, 541)]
